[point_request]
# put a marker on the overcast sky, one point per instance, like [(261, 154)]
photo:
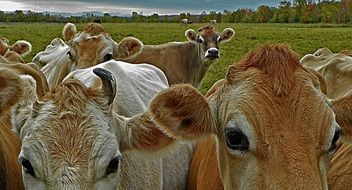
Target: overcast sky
[(127, 6)]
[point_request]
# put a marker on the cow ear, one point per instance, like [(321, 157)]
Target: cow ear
[(69, 32), (127, 48), (227, 34), (183, 112), (141, 133), (191, 35), (23, 109), (343, 110), (21, 47), (10, 89), (3, 45)]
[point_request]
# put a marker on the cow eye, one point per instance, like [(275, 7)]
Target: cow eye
[(27, 166), (236, 140), (335, 139), (107, 57), (113, 165), (200, 40)]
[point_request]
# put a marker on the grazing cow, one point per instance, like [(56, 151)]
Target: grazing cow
[(10, 92), (75, 137), (186, 62), (15, 52), (337, 69), (81, 50), (291, 135), (184, 21), (212, 22)]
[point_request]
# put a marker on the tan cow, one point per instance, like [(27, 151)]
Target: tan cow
[(15, 52), (186, 62), (76, 138), (10, 92), (81, 50), (271, 122), (337, 69)]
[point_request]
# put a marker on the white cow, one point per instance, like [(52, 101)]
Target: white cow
[(184, 21), (213, 22), (105, 145)]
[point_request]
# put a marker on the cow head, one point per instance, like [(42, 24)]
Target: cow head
[(209, 39), (82, 49), (15, 52), (93, 45), (21, 47), (71, 139), (275, 129)]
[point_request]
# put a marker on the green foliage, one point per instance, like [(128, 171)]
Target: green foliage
[(303, 38), (299, 11)]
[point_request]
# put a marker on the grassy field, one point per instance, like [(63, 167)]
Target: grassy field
[(301, 38)]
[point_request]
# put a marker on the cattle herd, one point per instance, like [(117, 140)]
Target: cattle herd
[(92, 113)]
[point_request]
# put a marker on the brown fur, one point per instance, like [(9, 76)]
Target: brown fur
[(10, 170), (204, 171), (272, 61), (343, 109), (179, 104), (340, 173), (22, 69), (93, 29), (288, 118)]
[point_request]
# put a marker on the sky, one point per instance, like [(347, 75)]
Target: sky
[(127, 6)]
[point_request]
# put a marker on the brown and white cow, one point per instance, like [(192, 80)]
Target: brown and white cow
[(337, 70), (186, 62), (83, 133), (270, 120), (13, 53), (89, 47), (11, 90)]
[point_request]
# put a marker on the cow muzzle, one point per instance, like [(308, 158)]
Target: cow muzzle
[(212, 53)]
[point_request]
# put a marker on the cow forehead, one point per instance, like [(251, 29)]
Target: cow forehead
[(300, 115)]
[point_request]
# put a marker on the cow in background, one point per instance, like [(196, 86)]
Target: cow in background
[(212, 22), (13, 53), (83, 49), (337, 70), (184, 21), (186, 62)]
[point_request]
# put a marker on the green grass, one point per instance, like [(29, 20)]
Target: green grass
[(301, 38)]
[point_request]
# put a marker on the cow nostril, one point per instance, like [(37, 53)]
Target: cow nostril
[(213, 51)]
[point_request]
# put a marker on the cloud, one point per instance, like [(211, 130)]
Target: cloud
[(127, 6)]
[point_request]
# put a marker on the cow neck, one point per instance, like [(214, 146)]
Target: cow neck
[(197, 67)]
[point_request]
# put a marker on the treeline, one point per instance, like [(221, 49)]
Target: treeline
[(296, 11)]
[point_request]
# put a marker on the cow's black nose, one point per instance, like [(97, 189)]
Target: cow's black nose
[(212, 53)]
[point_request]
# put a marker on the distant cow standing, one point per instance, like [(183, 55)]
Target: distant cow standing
[(186, 62), (184, 21), (213, 22)]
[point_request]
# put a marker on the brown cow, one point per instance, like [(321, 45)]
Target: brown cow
[(186, 62), (270, 120), (337, 69), (11, 91), (81, 50)]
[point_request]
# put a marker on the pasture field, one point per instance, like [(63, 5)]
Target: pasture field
[(300, 37)]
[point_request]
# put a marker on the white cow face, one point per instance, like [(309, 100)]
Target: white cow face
[(71, 139)]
